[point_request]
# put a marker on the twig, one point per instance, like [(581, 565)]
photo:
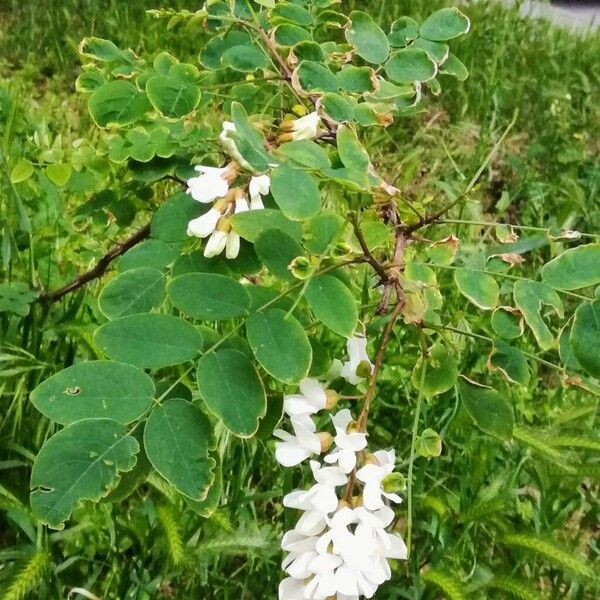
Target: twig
[(99, 269)]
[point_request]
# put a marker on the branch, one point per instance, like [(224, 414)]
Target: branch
[(97, 271)]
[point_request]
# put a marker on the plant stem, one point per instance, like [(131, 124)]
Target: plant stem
[(411, 460)]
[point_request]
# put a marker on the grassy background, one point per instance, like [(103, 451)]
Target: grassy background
[(546, 174)]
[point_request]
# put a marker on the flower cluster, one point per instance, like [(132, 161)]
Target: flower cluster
[(214, 185), (340, 546)]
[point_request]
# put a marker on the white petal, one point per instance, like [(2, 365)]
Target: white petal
[(298, 404), (325, 499), (370, 473), (342, 419), (372, 496), (204, 225), (291, 589), (311, 523), (241, 205), (397, 548), (347, 461), (216, 244), (324, 563), (289, 454), (256, 203), (393, 497), (232, 246), (259, 184), (314, 391)]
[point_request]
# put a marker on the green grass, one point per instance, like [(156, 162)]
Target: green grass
[(547, 173)]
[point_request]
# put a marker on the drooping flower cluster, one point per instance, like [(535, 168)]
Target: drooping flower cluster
[(214, 185), (340, 546)]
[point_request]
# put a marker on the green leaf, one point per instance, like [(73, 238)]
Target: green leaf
[(135, 291), (367, 38), (80, 462), (171, 96), (205, 508), (574, 269), (323, 231), (455, 68), (196, 262), (99, 49), (333, 304), (177, 439), (59, 173), (288, 34), (404, 30), (510, 361), (209, 296), (437, 51), (232, 389), (488, 409), (211, 55), (169, 222), (314, 77), (117, 103), (150, 253), (480, 288), (280, 345), (246, 59), (249, 142), (529, 297), (507, 322), (585, 334), (306, 153), (428, 444), (337, 107), (22, 171), (352, 152), (88, 81), (410, 64), (251, 223), (441, 371), (296, 192), (149, 341), (276, 250), (16, 298), (292, 12), (445, 24), (357, 80), (94, 390)]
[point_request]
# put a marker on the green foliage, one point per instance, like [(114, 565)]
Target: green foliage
[(253, 326)]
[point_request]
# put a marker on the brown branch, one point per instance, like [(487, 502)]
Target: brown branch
[(377, 266), (99, 269)]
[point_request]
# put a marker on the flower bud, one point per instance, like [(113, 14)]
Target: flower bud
[(370, 459), (363, 369), (301, 267), (326, 440), (332, 398), (341, 249), (393, 483)]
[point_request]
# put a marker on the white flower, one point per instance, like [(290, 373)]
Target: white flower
[(372, 476), (216, 243), (232, 246), (347, 444), (311, 399), (211, 184), (230, 146), (259, 187), (321, 496), (204, 225), (306, 127), (296, 448), (357, 355)]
